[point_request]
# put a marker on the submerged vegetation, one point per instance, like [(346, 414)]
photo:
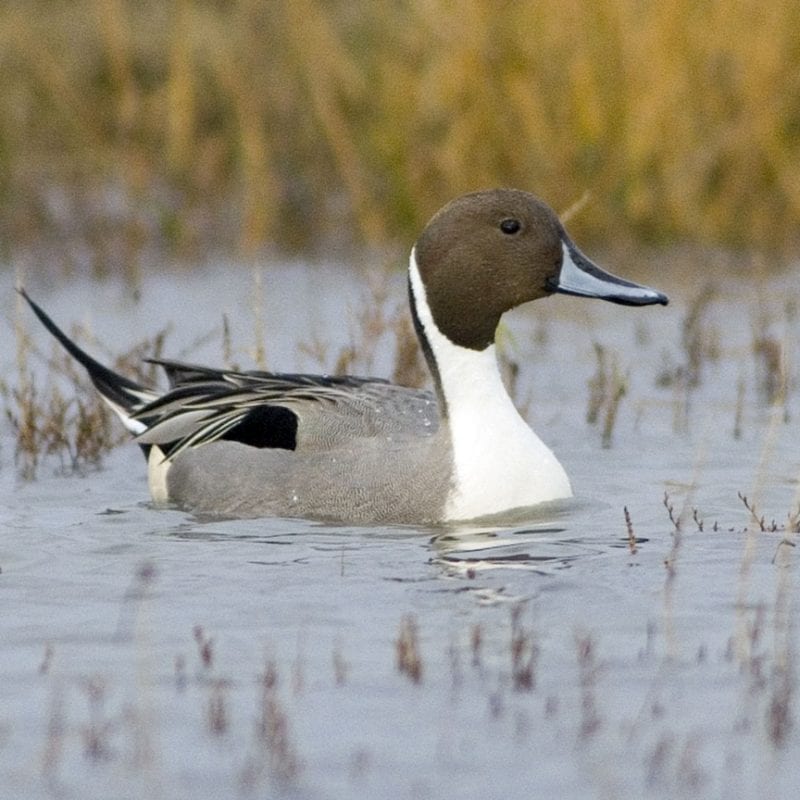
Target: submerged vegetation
[(239, 124)]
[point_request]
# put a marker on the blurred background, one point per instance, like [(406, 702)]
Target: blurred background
[(138, 128)]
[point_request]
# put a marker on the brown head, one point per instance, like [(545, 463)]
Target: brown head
[(490, 251)]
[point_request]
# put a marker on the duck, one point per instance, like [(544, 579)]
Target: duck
[(362, 450)]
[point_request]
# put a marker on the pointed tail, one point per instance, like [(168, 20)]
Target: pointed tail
[(120, 393)]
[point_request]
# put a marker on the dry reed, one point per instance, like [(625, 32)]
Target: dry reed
[(194, 124), (76, 428)]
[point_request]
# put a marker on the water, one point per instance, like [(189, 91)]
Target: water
[(147, 653)]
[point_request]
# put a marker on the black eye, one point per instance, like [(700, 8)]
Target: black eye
[(510, 226)]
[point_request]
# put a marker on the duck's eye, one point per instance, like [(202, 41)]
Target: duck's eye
[(510, 226)]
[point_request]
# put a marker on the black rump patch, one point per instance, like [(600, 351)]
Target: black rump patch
[(266, 426)]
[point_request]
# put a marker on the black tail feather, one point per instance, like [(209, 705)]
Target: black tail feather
[(116, 388)]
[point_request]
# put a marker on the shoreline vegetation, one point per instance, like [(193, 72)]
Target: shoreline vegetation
[(128, 129)]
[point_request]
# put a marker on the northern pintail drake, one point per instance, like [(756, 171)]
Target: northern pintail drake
[(364, 450)]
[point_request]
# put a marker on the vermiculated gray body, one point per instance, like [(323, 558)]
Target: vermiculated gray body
[(392, 479)]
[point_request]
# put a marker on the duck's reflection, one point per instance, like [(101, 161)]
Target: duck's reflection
[(548, 543)]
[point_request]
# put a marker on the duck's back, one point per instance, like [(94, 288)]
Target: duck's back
[(373, 409)]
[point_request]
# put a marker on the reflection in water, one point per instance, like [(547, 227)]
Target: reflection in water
[(550, 541), (543, 547), (534, 547)]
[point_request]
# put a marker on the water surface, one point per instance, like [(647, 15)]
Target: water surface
[(148, 653)]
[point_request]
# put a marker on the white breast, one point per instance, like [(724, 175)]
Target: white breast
[(499, 462)]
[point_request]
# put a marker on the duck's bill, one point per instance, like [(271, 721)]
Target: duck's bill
[(579, 276)]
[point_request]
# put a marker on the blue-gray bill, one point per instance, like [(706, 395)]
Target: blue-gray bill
[(581, 277)]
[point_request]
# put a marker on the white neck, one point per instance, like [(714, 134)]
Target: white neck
[(499, 463)]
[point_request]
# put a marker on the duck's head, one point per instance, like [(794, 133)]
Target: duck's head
[(490, 251)]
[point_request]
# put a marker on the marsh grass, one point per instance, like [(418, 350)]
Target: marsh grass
[(378, 321), (408, 658), (264, 743), (607, 387), (699, 343), (217, 713), (763, 639), (63, 417), (771, 362), (524, 653), (77, 431), (631, 536), (700, 346), (703, 346), (680, 521), (195, 125), (589, 671), (71, 424)]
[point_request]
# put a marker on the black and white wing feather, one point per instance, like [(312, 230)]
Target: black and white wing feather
[(287, 411), (259, 409)]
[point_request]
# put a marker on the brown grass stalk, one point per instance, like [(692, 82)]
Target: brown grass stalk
[(249, 123)]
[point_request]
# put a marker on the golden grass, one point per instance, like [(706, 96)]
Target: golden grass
[(193, 124), (74, 426)]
